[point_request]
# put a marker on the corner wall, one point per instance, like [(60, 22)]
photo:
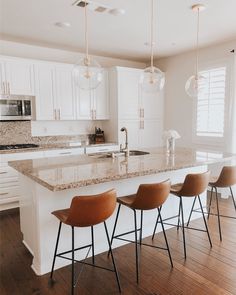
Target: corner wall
[(178, 105)]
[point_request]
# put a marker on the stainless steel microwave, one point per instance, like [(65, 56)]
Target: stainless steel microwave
[(17, 108)]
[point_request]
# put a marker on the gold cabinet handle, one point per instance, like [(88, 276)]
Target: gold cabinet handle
[(95, 115), (59, 114), (55, 114), (8, 88)]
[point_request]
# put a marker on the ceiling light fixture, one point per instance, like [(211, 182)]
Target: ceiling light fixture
[(196, 83), (152, 78), (117, 11), (88, 72)]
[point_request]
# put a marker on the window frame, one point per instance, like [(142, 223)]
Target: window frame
[(214, 140)]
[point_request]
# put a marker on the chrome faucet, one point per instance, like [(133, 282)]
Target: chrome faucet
[(126, 148)]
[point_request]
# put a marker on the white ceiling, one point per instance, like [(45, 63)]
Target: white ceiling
[(32, 21)]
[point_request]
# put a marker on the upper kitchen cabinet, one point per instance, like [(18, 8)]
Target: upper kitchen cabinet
[(94, 104), (55, 94), (16, 76), (129, 92)]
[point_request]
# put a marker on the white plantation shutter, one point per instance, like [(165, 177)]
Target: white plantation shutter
[(211, 104)]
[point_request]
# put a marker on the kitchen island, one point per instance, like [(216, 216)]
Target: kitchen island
[(50, 184)]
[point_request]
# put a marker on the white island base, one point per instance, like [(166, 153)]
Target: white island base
[(39, 226)]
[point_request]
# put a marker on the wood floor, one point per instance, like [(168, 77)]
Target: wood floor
[(205, 271)]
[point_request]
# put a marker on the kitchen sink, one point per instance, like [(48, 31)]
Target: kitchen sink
[(137, 153), (117, 154)]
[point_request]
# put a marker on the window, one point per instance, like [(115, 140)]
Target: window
[(210, 111)]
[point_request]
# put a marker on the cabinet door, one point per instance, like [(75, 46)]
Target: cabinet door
[(20, 76), (152, 105), (101, 99), (85, 104), (133, 133), (64, 92), (128, 94), (151, 134), (44, 74)]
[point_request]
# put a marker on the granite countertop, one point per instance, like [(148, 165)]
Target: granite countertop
[(60, 173), (56, 146)]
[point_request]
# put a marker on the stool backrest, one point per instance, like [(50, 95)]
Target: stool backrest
[(91, 210), (227, 177), (151, 196), (194, 184)]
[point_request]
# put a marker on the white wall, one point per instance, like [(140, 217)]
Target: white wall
[(43, 128), (178, 105)]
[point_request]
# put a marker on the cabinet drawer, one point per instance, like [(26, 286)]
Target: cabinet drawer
[(7, 171), (101, 149), (9, 192), (64, 152)]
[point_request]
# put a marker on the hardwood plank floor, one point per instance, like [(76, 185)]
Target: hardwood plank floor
[(205, 271)]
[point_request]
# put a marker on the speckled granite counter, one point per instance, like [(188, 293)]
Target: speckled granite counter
[(69, 172)]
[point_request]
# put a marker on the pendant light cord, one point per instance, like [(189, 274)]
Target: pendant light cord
[(197, 43), (152, 28), (86, 30)]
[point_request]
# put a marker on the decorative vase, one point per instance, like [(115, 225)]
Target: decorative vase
[(170, 145)]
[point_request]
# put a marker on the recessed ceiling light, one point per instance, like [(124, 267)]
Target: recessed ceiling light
[(117, 11), (63, 24)]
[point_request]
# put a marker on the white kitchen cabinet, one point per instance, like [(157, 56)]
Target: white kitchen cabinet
[(64, 92), (16, 76), (45, 92), (129, 93), (94, 104), (141, 113), (9, 181), (55, 93)]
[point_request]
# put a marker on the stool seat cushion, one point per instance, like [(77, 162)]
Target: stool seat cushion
[(127, 200), (175, 188), (213, 181), (62, 215)]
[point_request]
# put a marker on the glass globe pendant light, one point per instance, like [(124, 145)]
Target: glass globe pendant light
[(152, 79), (197, 83), (87, 72)]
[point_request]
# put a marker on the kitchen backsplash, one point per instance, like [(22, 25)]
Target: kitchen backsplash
[(20, 132)]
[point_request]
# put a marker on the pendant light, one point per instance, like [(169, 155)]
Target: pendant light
[(88, 73), (196, 83), (152, 79)]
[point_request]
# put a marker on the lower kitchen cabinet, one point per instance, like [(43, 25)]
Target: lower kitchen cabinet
[(142, 133)]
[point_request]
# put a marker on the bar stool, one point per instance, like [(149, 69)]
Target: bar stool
[(86, 211), (148, 197), (226, 179), (193, 186)]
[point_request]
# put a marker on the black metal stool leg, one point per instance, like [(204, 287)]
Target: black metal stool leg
[(157, 220), (182, 223), (112, 257), (114, 228), (179, 214), (209, 208), (72, 263), (141, 228), (190, 215), (218, 214), (203, 216), (55, 252), (92, 236), (167, 245), (232, 195), (136, 246)]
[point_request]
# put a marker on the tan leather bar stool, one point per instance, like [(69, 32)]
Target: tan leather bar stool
[(86, 211), (193, 186), (226, 179), (148, 197)]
